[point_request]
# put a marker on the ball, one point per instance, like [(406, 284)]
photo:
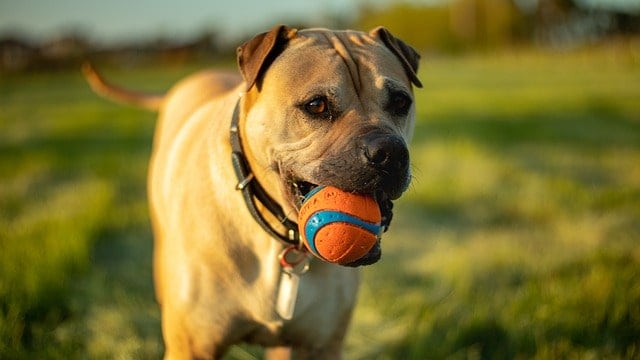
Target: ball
[(338, 226)]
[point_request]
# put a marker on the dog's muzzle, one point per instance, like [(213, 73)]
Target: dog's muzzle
[(387, 159), (377, 163)]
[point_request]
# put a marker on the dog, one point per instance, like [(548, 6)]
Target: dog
[(233, 157)]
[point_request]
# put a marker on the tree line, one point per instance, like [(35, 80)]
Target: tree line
[(452, 27)]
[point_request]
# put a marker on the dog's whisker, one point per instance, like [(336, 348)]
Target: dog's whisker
[(288, 215)]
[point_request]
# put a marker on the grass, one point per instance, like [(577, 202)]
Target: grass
[(518, 237), (75, 274)]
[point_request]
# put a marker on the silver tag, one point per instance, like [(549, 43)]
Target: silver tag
[(287, 294), (293, 264)]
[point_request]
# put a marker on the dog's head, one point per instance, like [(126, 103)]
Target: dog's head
[(332, 108)]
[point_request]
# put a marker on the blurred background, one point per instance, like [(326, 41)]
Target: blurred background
[(39, 34), (518, 238)]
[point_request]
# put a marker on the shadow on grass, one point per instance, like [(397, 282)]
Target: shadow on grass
[(122, 318), (596, 126), (103, 155)]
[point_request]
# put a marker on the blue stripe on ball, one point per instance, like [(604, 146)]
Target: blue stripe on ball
[(325, 217), (313, 192)]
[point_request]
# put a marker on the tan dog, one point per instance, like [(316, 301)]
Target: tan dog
[(312, 107)]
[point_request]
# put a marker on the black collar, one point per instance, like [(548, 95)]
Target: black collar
[(252, 190)]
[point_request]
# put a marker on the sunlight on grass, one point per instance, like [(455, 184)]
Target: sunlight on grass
[(43, 243), (519, 234)]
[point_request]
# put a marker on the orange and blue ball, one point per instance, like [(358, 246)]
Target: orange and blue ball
[(338, 226)]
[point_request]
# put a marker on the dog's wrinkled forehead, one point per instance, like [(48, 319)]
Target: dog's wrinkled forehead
[(256, 55), (353, 46), (348, 45)]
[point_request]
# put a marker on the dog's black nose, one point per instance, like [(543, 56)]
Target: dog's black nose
[(385, 152), (377, 163)]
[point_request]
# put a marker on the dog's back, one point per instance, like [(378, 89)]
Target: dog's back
[(188, 95)]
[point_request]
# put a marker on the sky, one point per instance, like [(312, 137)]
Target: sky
[(109, 20), (114, 20)]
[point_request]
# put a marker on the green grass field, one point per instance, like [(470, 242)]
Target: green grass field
[(519, 237)]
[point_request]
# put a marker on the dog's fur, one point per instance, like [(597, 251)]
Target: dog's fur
[(316, 106)]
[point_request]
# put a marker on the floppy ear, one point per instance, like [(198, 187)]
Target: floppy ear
[(409, 58), (255, 56)]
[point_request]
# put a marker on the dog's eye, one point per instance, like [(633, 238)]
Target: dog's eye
[(399, 103), (318, 106)]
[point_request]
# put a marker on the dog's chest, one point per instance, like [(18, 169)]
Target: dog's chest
[(325, 296)]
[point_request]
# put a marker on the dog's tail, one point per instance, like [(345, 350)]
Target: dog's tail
[(113, 92)]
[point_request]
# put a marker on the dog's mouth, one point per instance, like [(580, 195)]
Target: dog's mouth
[(299, 189)]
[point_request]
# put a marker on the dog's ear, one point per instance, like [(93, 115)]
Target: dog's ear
[(407, 55), (255, 56)]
